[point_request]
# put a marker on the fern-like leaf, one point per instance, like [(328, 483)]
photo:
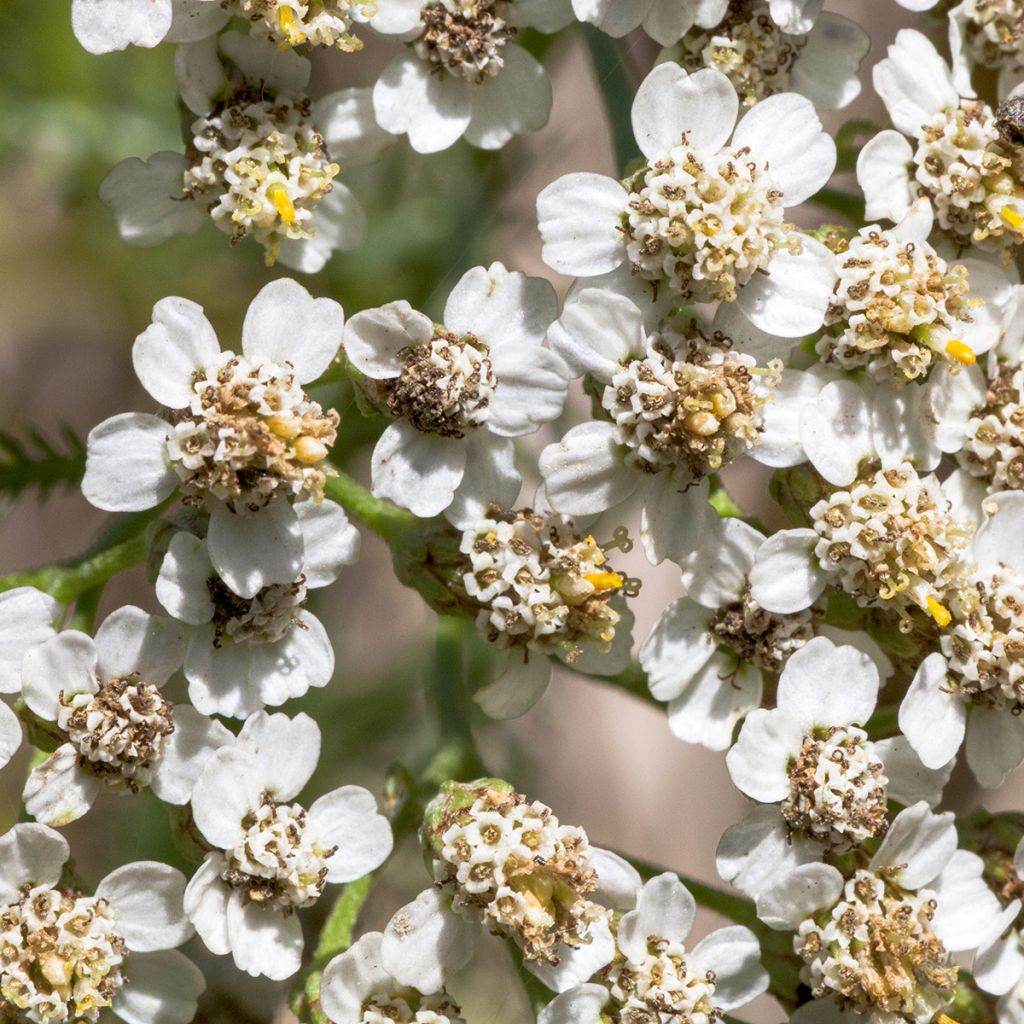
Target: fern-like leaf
[(40, 462)]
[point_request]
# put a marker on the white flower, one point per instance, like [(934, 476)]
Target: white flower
[(975, 687), (270, 857), (542, 589), (878, 941), (957, 159), (654, 975), (704, 217), (761, 59), (261, 161), (356, 989), (663, 20), (680, 402), (464, 75), (26, 619), (460, 390), (999, 965), (886, 534), (245, 653), (114, 728), (239, 432), (65, 956), (900, 310), (811, 758), (709, 651), (988, 34), (105, 25), (10, 734)]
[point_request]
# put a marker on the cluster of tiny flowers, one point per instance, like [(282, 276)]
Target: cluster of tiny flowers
[(837, 790), (264, 618), (250, 432), (704, 226), (119, 732), (511, 865), (892, 539), (968, 173), (663, 987), (261, 167), (985, 644), (279, 863), (410, 1007), (60, 956), (539, 584), (748, 48), (994, 446), (895, 309), (875, 951), (689, 402), (317, 22), (995, 30), (465, 37), (761, 638), (445, 386)]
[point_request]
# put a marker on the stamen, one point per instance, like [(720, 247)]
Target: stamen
[(961, 352), (939, 612), (278, 195), (602, 581), (1012, 217), (309, 451), (289, 25)]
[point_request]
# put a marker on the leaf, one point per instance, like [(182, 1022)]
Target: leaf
[(40, 462)]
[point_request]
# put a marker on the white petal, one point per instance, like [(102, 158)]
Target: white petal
[(397, 17), (993, 286), (515, 101), (418, 471), (544, 15), (10, 734), (677, 648), (159, 988), (999, 965), (786, 576), (799, 894), (721, 693), (329, 541), (131, 640), (593, 659), (425, 940), (784, 132), (914, 82), (102, 26), (264, 943), (780, 443), (597, 332), (194, 740), (827, 70), (676, 517), (884, 177), (613, 17), (58, 791), (932, 718), (576, 964), (1000, 541), (995, 745), (618, 882), (375, 337), (517, 688), (584, 473), (285, 324), (716, 573), (900, 428), (919, 845), (909, 780), (532, 387), (201, 77), (790, 298), (346, 121), (206, 903), (967, 909), (734, 955), (195, 19), (65, 662), (179, 341), (491, 478), (126, 467), (252, 550), (26, 619), (148, 199), (950, 400), (348, 819), (836, 431), (668, 21), (301, 660), (218, 677), (350, 979), (434, 110), (340, 223), (795, 17), (670, 103), (32, 855), (147, 900), (286, 751), (759, 760), (181, 586), (579, 218), (228, 788), (281, 71), (824, 685), (664, 908), (580, 1005)]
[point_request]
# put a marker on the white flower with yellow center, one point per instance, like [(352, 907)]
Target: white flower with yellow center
[(946, 147), (679, 403), (761, 59), (69, 957), (261, 162), (823, 785), (238, 433), (877, 942), (460, 391), (705, 217), (270, 857), (987, 34), (655, 977), (100, 699)]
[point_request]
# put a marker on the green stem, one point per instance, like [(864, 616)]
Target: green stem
[(850, 206), (617, 88), (336, 935), (386, 520), (722, 501)]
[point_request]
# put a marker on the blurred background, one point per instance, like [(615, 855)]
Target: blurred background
[(73, 298)]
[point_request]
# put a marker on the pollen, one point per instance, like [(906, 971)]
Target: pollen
[(602, 581), (278, 195), (290, 27), (939, 612), (1012, 217), (961, 353)]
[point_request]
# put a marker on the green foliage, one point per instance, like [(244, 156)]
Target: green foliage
[(38, 462)]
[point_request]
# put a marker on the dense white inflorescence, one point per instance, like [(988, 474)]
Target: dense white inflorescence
[(465, 37)]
